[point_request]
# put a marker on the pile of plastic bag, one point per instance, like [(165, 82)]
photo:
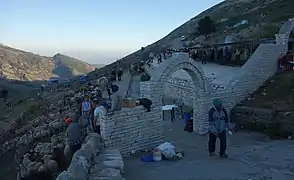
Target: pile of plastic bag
[(167, 151)]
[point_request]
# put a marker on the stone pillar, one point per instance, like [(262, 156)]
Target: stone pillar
[(201, 107), (152, 90)]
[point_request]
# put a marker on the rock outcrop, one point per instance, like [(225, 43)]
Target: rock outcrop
[(93, 162), (270, 121)]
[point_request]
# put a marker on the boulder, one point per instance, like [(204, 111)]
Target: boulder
[(52, 166), (42, 168), (63, 176), (79, 167), (67, 152)]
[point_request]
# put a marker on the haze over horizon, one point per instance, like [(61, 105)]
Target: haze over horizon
[(98, 32)]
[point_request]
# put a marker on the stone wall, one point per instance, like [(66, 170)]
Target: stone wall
[(259, 68), (181, 90), (133, 129), (92, 161)]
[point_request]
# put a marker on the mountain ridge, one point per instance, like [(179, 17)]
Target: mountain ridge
[(26, 66), (264, 19)]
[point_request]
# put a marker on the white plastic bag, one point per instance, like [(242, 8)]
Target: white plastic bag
[(167, 149)]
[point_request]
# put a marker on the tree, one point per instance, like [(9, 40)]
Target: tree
[(206, 26)]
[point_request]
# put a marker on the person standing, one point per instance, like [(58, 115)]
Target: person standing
[(115, 99), (238, 55), (119, 74), (74, 136), (99, 115), (113, 75), (159, 58), (204, 57), (86, 105), (218, 125), (108, 87)]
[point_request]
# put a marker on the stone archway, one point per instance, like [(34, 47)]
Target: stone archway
[(202, 87)]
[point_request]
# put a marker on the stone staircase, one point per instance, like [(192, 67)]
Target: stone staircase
[(258, 69)]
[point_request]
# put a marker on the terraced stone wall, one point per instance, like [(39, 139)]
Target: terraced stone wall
[(133, 129)]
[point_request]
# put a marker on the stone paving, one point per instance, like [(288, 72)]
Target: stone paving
[(254, 157)]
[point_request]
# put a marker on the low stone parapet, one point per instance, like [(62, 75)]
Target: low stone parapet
[(93, 162), (133, 129)]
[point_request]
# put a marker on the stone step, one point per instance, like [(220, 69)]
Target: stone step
[(108, 165)]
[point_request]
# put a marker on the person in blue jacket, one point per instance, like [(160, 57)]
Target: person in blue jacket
[(218, 125)]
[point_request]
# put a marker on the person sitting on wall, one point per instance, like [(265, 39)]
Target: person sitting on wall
[(218, 125), (146, 103), (74, 136)]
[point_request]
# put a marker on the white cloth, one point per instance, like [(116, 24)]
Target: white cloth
[(99, 114), (168, 107)]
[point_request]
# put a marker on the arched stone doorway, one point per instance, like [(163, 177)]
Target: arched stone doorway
[(201, 88)]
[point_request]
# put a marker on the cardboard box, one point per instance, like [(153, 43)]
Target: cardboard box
[(129, 103)]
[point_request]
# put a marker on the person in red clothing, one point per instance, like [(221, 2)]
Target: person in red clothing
[(289, 62), (67, 120), (281, 62)]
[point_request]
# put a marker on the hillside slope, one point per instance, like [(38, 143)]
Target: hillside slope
[(20, 65), (67, 67), (270, 109), (264, 17), (264, 20)]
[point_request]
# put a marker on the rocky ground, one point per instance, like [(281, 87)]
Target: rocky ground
[(251, 156), (270, 109), (256, 156), (35, 124)]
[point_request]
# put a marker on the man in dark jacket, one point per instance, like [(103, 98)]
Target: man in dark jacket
[(113, 75), (218, 125), (119, 74), (74, 136)]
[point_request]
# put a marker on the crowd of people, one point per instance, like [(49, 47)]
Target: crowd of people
[(92, 108), (159, 56), (237, 56)]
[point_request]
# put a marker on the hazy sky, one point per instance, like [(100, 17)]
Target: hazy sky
[(92, 26)]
